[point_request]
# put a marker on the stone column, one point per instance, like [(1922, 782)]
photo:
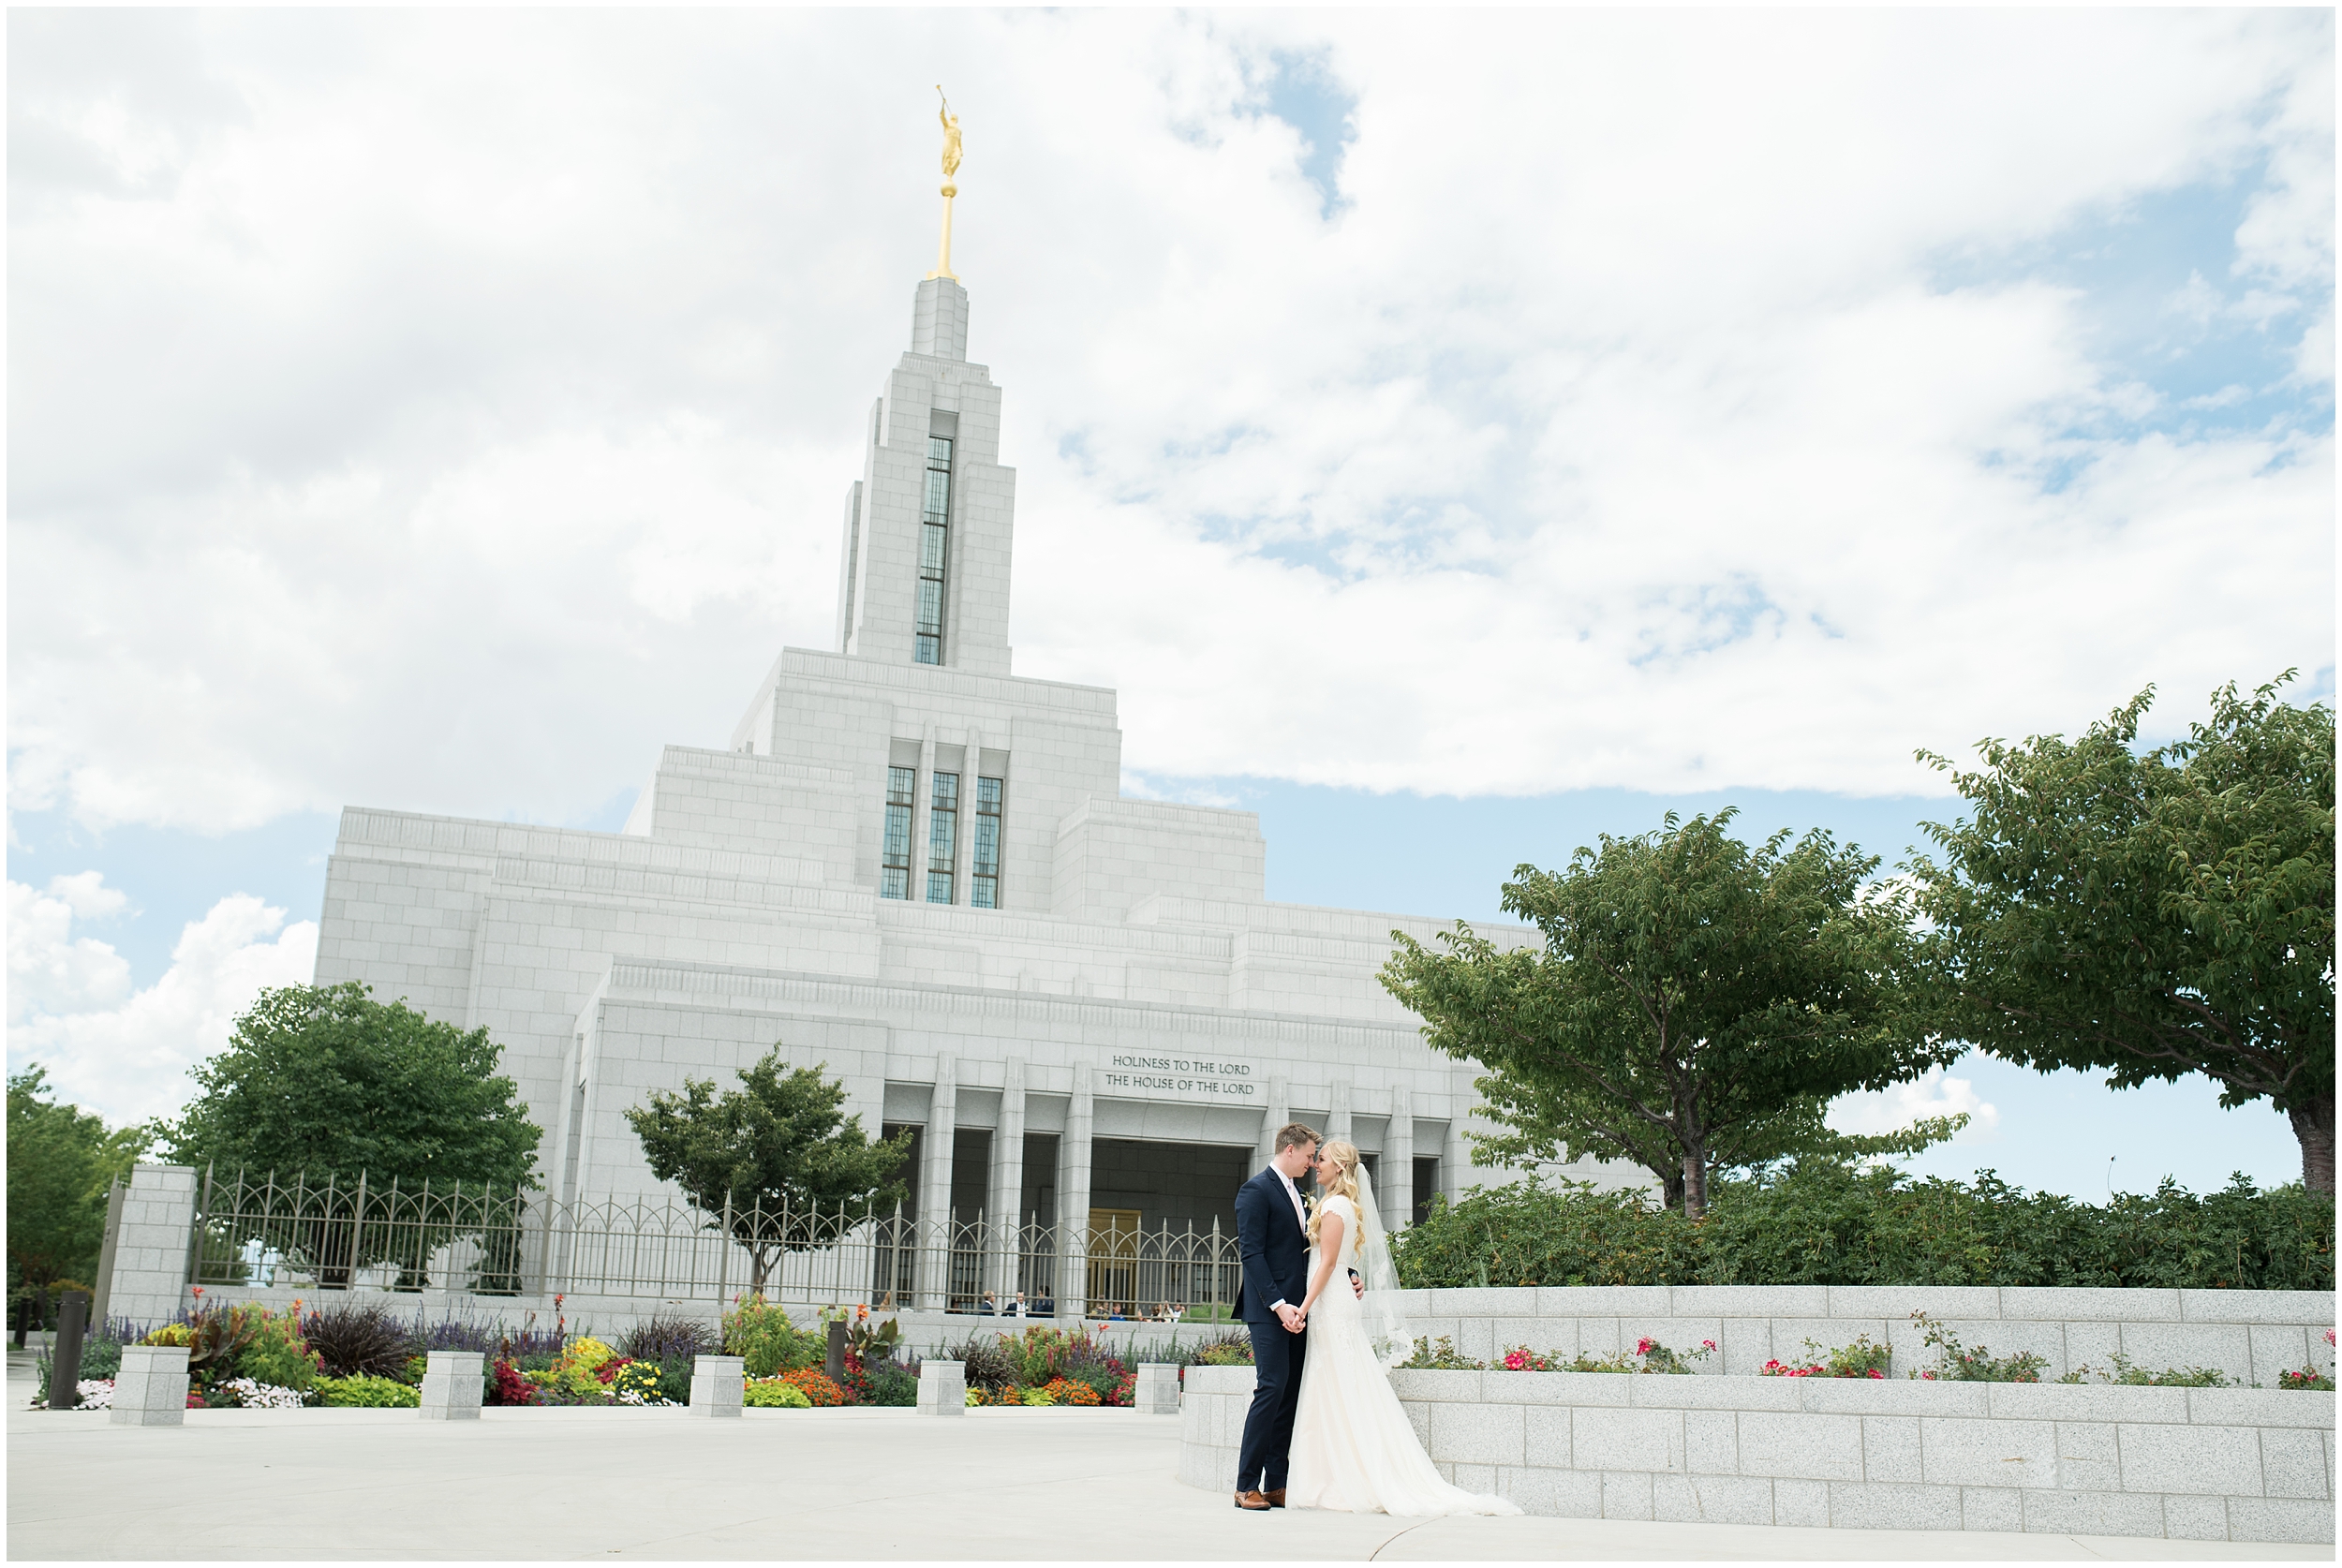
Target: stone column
[(719, 1384), (1279, 1112), (451, 1385), (1396, 1192), (1072, 1199), (1337, 1119), (1158, 1390), (943, 1388), (1005, 1204), (151, 1389), (151, 1244), (935, 1188)]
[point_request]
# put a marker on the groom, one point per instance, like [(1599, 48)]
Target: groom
[(1273, 1239)]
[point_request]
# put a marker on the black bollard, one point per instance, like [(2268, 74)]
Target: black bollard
[(23, 1317), (836, 1363), (65, 1361)]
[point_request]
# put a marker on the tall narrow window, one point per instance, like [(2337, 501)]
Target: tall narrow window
[(942, 837), (895, 868), (984, 878), (934, 550)]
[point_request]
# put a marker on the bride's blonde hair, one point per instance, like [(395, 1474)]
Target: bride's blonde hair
[(1345, 1184)]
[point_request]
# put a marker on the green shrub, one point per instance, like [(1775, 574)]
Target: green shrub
[(773, 1394), (1224, 1350), (675, 1379), (1957, 1363), (1821, 1223), (894, 1383), (277, 1354), (762, 1335), (2120, 1370), (367, 1391)]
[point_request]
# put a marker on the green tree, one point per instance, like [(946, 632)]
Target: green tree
[(1696, 1004), (2153, 913), (60, 1160), (325, 1079), (793, 1171)]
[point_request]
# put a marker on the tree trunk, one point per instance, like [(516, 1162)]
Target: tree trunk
[(1695, 1182), (1672, 1182), (2313, 1124)]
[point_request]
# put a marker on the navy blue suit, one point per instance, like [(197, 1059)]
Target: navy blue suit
[(1276, 1256)]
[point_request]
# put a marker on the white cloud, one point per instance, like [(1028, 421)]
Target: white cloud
[(51, 970), (398, 425), (125, 1053), (1936, 1094)]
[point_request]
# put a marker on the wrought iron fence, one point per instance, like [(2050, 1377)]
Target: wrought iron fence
[(329, 1234)]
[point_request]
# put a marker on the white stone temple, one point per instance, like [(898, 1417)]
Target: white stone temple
[(918, 870)]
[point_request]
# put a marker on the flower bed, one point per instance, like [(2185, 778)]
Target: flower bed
[(1044, 1366), (1648, 1356)]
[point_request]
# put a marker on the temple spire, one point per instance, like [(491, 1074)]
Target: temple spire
[(951, 168)]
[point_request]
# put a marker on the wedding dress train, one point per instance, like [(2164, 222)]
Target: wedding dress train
[(1352, 1447)]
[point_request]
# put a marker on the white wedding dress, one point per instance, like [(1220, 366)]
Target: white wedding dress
[(1352, 1447)]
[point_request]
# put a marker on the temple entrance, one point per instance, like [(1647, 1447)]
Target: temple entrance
[(1113, 1260)]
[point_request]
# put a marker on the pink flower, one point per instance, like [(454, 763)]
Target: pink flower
[(1708, 1344), (1874, 1372), (1515, 1360), (1643, 1347)]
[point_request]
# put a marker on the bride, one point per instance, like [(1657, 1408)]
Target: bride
[(1353, 1447)]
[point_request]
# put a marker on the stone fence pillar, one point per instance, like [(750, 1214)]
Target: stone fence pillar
[(1158, 1390), (943, 1388), (719, 1384), (151, 1390), (151, 1236), (451, 1385)]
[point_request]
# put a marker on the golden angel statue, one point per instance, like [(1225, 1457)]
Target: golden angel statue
[(951, 134)]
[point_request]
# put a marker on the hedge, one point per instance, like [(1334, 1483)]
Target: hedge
[(1830, 1224)]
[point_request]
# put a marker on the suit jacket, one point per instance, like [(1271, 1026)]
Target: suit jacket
[(1274, 1248)]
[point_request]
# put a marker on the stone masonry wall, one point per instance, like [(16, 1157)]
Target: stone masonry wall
[(2206, 1464)]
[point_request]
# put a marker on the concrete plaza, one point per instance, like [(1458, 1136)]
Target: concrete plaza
[(848, 1484)]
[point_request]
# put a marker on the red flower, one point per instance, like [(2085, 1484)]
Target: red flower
[(198, 1290), (1643, 1347)]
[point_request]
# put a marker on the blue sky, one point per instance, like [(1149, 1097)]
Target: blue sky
[(1453, 435)]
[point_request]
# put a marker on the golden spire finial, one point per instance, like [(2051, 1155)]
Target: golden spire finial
[(951, 168)]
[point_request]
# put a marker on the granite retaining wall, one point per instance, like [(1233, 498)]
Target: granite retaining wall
[(2206, 1464)]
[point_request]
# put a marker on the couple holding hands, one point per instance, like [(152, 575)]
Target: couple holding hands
[(1326, 1429)]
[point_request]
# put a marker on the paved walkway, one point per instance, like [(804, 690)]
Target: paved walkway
[(848, 1484)]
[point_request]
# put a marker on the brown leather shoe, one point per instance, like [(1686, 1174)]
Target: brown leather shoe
[(1276, 1496), (1252, 1503)]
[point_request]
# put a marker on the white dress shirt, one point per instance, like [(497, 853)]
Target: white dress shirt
[(1299, 1213)]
